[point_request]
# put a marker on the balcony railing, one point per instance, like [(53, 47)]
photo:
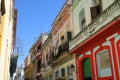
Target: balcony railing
[(52, 58), (62, 48), (46, 70), (13, 64), (43, 65), (104, 18), (60, 52)]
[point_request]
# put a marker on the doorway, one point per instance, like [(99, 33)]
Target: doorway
[(86, 69)]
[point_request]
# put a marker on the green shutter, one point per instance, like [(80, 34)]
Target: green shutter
[(86, 68), (69, 36)]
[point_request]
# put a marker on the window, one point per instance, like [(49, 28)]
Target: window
[(63, 72), (86, 69), (82, 19), (50, 77), (3, 7), (62, 38), (103, 64), (95, 10), (69, 71), (46, 57), (57, 74), (69, 36), (46, 78), (38, 63)]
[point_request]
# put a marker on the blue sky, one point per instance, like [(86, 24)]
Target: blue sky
[(34, 17)]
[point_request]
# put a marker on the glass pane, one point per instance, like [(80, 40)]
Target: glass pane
[(103, 62)]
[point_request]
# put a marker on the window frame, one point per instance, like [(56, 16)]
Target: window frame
[(111, 64), (63, 73), (101, 68), (82, 19)]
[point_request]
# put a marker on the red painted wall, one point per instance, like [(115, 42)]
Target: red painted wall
[(97, 40)]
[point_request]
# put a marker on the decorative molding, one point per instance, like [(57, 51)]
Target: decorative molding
[(100, 22)]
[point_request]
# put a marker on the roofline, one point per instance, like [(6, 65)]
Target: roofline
[(65, 5), (60, 12), (26, 58)]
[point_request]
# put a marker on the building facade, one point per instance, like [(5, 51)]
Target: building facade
[(39, 43), (7, 36), (84, 43), (34, 60), (14, 55), (32, 70), (96, 39), (61, 35), (46, 50), (26, 69)]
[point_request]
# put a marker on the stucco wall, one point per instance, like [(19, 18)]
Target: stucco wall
[(7, 45), (82, 4)]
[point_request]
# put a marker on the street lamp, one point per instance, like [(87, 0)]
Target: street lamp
[(72, 67)]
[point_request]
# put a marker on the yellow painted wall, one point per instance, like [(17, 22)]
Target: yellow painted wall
[(26, 73), (6, 39), (6, 65), (31, 70), (1, 31), (27, 69)]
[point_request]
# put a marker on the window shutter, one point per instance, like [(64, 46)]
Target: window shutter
[(95, 11), (82, 19), (3, 7), (69, 36)]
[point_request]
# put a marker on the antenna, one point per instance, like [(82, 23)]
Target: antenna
[(42, 29)]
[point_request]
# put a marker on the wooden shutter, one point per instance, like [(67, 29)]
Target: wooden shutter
[(86, 69), (3, 7), (69, 36), (95, 11)]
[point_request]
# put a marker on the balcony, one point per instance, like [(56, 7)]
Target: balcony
[(46, 70), (52, 58), (62, 48), (44, 65), (103, 19), (61, 54), (13, 64)]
